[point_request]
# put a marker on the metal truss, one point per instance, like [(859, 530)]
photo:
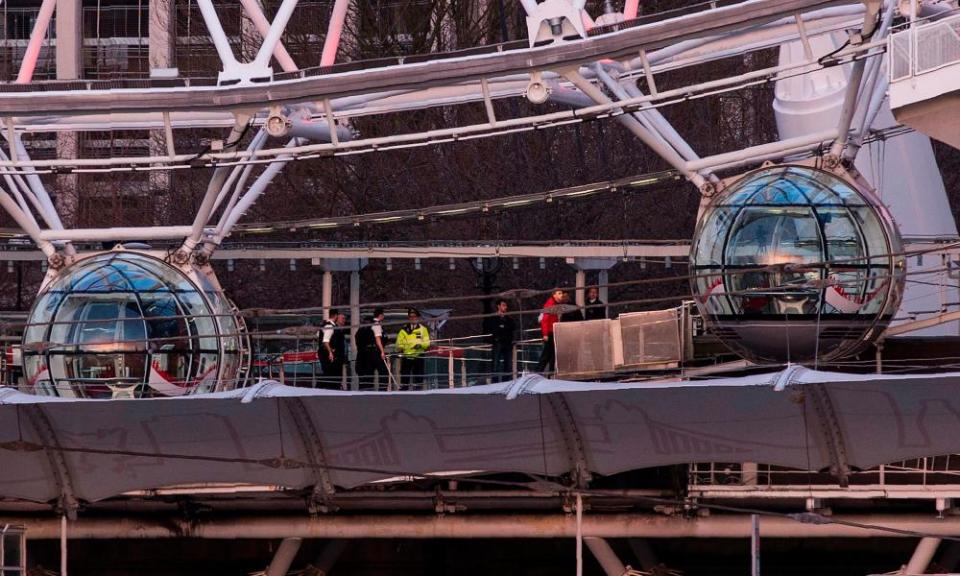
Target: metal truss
[(595, 68)]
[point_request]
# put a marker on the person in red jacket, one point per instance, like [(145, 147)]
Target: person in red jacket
[(549, 317)]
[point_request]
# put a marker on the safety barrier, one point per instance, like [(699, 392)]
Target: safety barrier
[(923, 48)]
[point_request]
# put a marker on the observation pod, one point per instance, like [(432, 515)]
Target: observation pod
[(793, 263), (126, 324)]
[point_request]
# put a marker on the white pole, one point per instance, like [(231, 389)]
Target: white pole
[(243, 171), (277, 27), (217, 34), (284, 556), (334, 30), (451, 382), (603, 280), (581, 285), (354, 320), (256, 189), (631, 123), (605, 555), (110, 234), (214, 188), (579, 534), (853, 89), (253, 9), (763, 150), (922, 556), (754, 545), (327, 293), (26, 222), (63, 545), (29, 62)]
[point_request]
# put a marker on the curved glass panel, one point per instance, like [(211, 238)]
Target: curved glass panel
[(801, 249), (125, 324)]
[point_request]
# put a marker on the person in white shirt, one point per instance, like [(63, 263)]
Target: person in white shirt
[(333, 349), (371, 351)]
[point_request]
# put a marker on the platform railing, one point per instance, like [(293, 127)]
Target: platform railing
[(924, 48), (927, 475)]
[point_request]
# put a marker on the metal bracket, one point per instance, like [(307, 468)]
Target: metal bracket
[(323, 488), (68, 502), (554, 20), (573, 442), (831, 435)]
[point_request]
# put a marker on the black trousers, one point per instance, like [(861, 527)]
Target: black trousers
[(502, 365), (332, 373), (368, 364), (411, 371), (547, 361)]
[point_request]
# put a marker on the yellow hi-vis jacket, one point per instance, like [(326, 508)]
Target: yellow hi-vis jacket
[(413, 340)]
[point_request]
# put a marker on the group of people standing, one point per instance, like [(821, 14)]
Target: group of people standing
[(557, 308), (413, 341), (501, 329)]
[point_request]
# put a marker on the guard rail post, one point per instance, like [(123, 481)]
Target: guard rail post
[(450, 371)]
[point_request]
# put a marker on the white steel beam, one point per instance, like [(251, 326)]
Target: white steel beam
[(652, 141), (334, 31), (255, 12), (922, 556), (214, 188), (272, 39), (40, 27), (284, 556), (605, 555), (725, 20), (849, 107), (27, 223), (217, 34), (256, 189), (114, 234)]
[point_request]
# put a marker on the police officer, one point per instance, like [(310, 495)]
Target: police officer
[(333, 349), (412, 341), (371, 354), (500, 330)]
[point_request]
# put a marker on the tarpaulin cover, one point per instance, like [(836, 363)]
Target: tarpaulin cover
[(277, 435)]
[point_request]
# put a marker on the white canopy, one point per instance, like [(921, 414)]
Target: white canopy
[(67, 450)]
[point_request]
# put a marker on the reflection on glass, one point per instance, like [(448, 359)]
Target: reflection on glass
[(126, 324), (762, 251)]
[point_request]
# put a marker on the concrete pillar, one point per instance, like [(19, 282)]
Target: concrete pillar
[(603, 278), (162, 41), (284, 556), (353, 266), (327, 293), (581, 283), (354, 322), (161, 53), (69, 39), (601, 265), (69, 51)]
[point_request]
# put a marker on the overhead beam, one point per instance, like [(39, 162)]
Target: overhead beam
[(621, 44), (557, 525), (639, 250)]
